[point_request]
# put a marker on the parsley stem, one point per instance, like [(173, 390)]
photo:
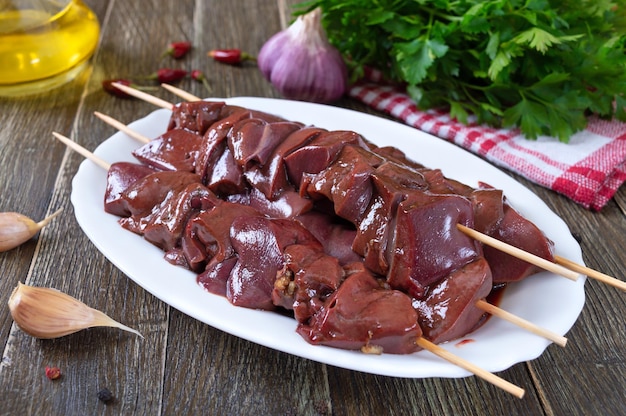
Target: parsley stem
[(440, 15)]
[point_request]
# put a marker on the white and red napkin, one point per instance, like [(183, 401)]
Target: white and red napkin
[(589, 169)]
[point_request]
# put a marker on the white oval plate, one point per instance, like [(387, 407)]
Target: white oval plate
[(548, 300)]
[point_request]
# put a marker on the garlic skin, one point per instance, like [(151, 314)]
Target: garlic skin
[(301, 63), (16, 229), (49, 313)]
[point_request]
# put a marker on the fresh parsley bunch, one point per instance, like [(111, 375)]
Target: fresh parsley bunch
[(539, 65)]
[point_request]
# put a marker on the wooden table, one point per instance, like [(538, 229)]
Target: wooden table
[(186, 367)]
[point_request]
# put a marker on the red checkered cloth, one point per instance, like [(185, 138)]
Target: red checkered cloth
[(589, 169)]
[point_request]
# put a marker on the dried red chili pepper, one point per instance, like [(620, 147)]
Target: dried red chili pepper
[(230, 56), (197, 75), (178, 50), (53, 373), (168, 75)]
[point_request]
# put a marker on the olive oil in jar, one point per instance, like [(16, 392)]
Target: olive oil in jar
[(44, 43)]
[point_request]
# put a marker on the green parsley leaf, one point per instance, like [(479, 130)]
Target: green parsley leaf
[(539, 65)]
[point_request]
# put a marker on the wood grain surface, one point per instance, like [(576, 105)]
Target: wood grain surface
[(183, 366)]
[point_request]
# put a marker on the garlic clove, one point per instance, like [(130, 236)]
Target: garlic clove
[(301, 64), (16, 229), (49, 313)]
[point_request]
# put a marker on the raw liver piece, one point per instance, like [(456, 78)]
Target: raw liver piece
[(120, 177), (396, 155), (195, 116), (391, 184), (173, 150), (226, 177), (259, 244), (319, 153), (372, 233), (496, 218), (164, 227), (306, 279), (335, 235), (271, 178), (287, 204), (521, 233), (362, 314), (439, 184), (207, 234), (214, 139), (426, 244), (253, 140), (140, 198), (488, 209), (346, 182), (215, 277), (449, 309)]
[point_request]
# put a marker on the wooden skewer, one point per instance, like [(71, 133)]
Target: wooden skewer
[(84, 152), (594, 274), (477, 371), (522, 323), (181, 93), (143, 96), (520, 254), (122, 127)]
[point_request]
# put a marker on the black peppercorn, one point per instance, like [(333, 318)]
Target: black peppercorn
[(105, 395)]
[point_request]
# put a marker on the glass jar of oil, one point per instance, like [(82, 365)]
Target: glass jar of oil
[(44, 43)]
